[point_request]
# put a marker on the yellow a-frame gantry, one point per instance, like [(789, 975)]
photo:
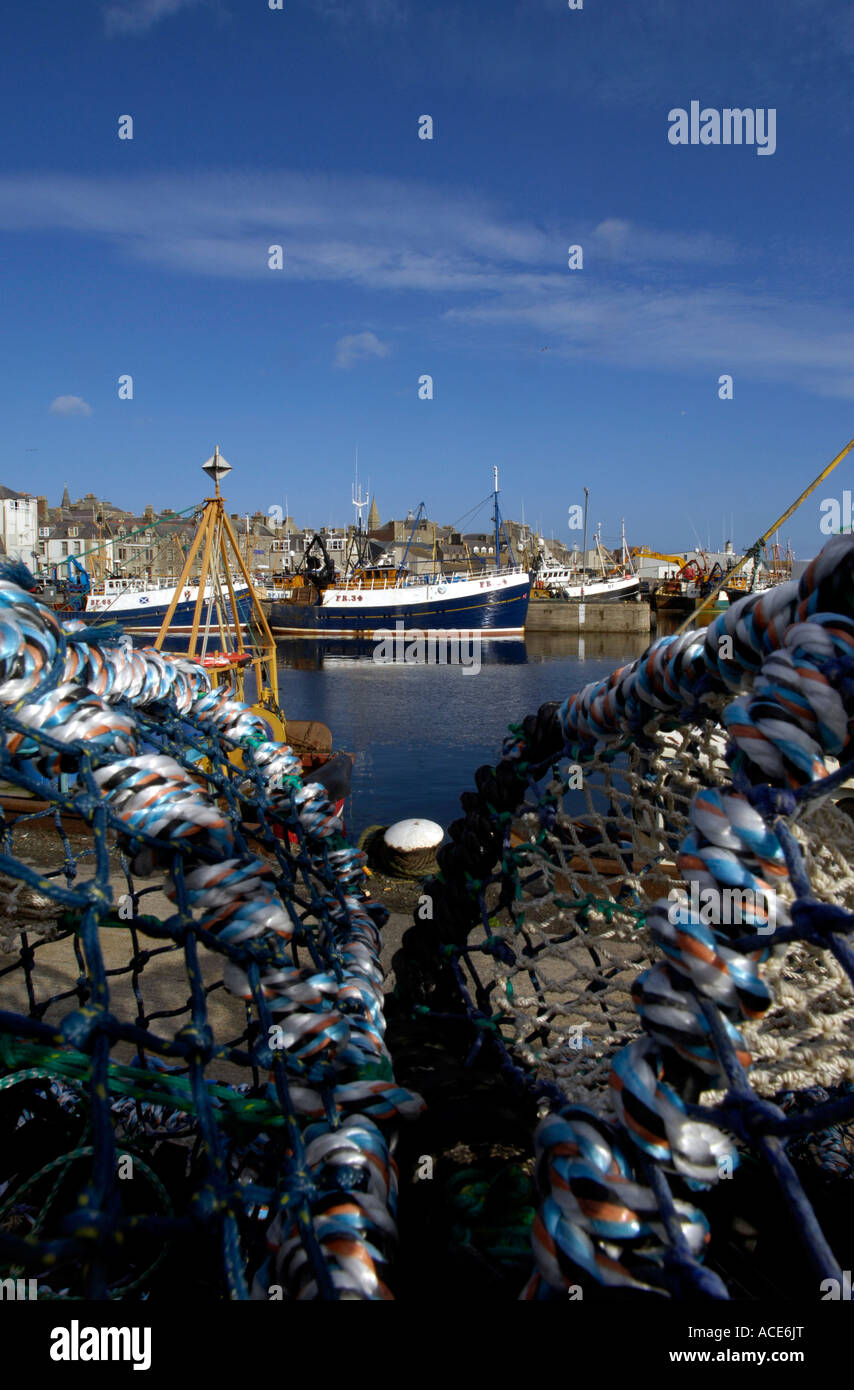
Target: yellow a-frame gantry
[(220, 553)]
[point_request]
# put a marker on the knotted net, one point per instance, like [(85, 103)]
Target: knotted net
[(643, 923), (195, 1092)]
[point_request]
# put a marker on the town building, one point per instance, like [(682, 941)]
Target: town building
[(105, 539), (19, 525)]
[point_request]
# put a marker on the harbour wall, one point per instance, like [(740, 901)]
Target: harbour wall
[(588, 617)]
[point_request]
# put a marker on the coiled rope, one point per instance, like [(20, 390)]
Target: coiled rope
[(133, 725), (608, 1209)]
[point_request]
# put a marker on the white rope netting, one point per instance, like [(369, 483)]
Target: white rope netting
[(576, 927)]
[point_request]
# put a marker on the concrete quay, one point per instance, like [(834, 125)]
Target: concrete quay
[(556, 616)]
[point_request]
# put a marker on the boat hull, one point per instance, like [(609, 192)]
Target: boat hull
[(614, 591), (496, 607), (148, 617)]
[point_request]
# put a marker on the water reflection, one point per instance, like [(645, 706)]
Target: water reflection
[(596, 646), (319, 653), (418, 732)]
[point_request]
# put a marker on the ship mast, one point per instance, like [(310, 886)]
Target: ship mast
[(584, 543), (626, 557), (499, 526), (359, 502)]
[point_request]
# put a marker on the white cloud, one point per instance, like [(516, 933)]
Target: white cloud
[(69, 405), (765, 336), (374, 232), (620, 240), (357, 347), (138, 16), (647, 298)]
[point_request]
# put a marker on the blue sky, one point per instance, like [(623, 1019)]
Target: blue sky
[(402, 257)]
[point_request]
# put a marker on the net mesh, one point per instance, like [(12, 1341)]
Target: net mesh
[(573, 939), (639, 934), (195, 1090), (643, 921)]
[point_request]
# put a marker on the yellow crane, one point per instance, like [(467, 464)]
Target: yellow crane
[(753, 552), (641, 553)]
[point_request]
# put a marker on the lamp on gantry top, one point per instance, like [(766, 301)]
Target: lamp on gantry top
[(216, 468)]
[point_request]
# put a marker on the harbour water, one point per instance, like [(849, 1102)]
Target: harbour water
[(418, 732)]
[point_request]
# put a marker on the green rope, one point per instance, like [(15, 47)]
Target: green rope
[(151, 1088), (61, 1164), (174, 1092)]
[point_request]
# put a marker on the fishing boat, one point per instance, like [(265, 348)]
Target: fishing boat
[(496, 605), (378, 596), (550, 576), (140, 603), (605, 590), (613, 584), (141, 607), (681, 594), (696, 580), (566, 581)]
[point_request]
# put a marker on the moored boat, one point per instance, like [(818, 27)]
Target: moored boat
[(615, 581), (494, 604), (375, 598), (607, 590), (141, 607)]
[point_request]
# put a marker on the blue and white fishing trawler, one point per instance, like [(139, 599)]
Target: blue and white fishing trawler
[(376, 597), (141, 606)]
